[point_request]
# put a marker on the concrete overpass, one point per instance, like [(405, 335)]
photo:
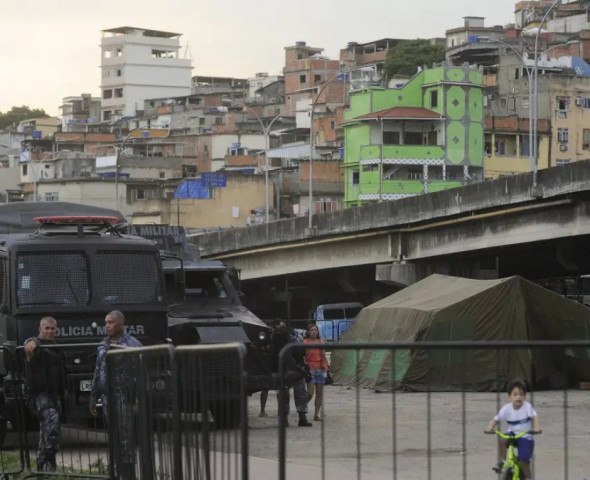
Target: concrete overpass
[(412, 237)]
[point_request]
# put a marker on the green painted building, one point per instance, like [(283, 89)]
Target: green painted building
[(424, 136)]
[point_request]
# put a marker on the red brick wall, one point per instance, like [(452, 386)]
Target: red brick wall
[(514, 124), (241, 160), (324, 171), (323, 127)]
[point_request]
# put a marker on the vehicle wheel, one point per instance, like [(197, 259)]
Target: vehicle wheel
[(3, 428), (3, 422), (506, 474), (226, 413)]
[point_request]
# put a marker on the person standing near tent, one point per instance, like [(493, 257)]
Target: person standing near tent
[(519, 416), (315, 359)]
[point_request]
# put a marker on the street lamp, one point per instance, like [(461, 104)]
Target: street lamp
[(536, 93), (529, 75), (313, 105), (119, 148), (265, 131), (147, 133)]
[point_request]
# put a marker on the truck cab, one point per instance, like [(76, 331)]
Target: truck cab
[(208, 310), (76, 269)]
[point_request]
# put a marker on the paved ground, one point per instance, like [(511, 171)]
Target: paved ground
[(358, 438)]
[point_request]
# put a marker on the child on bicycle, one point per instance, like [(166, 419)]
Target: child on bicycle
[(519, 415)]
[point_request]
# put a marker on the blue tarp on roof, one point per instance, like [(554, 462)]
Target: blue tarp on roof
[(580, 66), (192, 189)]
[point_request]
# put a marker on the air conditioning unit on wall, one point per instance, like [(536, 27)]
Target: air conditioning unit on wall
[(562, 147)]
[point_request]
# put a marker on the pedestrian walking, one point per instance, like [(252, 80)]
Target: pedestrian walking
[(122, 400), (44, 374)]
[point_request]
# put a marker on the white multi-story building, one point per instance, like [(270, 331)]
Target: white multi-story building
[(137, 64)]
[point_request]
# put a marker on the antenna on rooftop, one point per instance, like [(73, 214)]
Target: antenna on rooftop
[(187, 52)]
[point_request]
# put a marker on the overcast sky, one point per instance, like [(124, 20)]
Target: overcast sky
[(49, 49)]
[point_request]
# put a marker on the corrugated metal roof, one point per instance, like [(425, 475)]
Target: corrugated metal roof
[(148, 32), (300, 152)]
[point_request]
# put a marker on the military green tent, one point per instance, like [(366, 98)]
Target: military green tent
[(442, 308)]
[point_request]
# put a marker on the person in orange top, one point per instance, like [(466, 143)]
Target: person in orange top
[(316, 360)]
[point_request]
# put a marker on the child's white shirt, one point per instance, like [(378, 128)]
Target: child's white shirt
[(517, 420)]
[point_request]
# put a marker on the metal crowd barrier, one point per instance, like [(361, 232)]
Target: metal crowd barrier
[(182, 413), (170, 413), (83, 441), (418, 410), (177, 412)]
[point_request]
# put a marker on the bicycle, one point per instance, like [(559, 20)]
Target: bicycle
[(511, 467)]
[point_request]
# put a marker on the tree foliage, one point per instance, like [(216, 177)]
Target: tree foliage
[(17, 114), (406, 57)]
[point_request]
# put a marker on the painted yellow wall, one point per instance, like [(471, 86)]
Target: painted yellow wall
[(500, 165), (47, 125), (244, 192)]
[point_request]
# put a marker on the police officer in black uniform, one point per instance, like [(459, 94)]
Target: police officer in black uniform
[(295, 375), (44, 373)]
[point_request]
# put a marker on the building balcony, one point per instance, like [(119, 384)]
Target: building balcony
[(113, 81), (113, 61), (120, 40), (402, 152), (396, 188)]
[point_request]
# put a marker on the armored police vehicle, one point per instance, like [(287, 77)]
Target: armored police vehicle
[(75, 268), (205, 305)]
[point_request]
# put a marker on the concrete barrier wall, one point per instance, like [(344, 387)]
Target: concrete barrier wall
[(476, 197)]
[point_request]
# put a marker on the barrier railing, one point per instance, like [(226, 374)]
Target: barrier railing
[(184, 408), (45, 424), (435, 400), (168, 413), (182, 413)]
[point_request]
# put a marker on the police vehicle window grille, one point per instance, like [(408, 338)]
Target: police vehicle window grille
[(123, 277), (204, 284), (52, 278)]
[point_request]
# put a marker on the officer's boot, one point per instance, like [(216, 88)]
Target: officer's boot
[(127, 472), (50, 465), (40, 462), (303, 420)]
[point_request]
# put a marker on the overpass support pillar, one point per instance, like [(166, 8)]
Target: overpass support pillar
[(404, 273), (399, 274)]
